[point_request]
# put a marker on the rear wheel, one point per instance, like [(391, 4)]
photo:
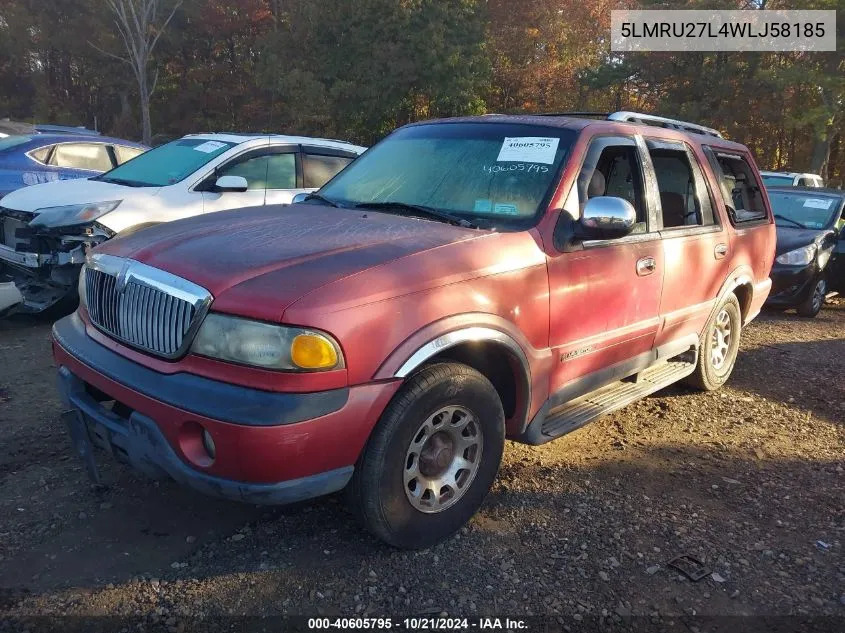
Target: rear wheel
[(432, 457), (719, 347), (812, 305)]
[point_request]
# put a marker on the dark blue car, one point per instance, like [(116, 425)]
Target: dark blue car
[(36, 158)]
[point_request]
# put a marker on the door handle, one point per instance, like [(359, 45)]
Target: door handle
[(646, 266), (720, 250)]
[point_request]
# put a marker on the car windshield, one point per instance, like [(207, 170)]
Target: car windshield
[(777, 181), (166, 164), (810, 211), (13, 141), (495, 175)]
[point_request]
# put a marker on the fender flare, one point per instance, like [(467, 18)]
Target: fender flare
[(441, 335)]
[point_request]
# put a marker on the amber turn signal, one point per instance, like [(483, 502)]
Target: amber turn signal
[(312, 351)]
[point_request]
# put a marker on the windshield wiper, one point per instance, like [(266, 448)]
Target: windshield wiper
[(786, 219), (122, 181), (415, 209)]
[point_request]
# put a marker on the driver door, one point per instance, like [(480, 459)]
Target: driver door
[(605, 294)]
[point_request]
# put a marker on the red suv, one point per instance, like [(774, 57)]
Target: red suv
[(462, 282)]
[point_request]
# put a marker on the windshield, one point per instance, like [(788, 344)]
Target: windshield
[(496, 175), (810, 211), (777, 181), (166, 164), (13, 141)]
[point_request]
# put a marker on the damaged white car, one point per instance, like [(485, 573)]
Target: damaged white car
[(46, 230)]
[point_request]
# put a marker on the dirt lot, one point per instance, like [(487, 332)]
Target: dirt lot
[(749, 479)]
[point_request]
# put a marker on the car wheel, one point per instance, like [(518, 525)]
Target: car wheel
[(432, 457), (719, 347), (812, 305)]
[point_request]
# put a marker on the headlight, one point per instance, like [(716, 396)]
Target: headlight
[(72, 214), (265, 345), (824, 256), (798, 257)]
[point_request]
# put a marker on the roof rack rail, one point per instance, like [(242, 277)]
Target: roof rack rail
[(580, 115), (644, 119), (659, 121)]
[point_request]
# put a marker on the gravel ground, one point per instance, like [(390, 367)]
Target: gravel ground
[(748, 479)]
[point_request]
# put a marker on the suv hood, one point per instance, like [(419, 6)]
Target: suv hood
[(63, 192), (259, 260)]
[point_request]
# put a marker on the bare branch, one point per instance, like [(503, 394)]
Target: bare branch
[(164, 25), (125, 60)]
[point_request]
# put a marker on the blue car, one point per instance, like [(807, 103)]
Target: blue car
[(35, 158)]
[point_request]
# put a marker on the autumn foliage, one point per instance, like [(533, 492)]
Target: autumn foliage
[(356, 69)]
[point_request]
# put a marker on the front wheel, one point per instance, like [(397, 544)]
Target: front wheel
[(432, 457), (719, 347), (812, 305)]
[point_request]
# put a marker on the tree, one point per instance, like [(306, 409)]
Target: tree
[(135, 21)]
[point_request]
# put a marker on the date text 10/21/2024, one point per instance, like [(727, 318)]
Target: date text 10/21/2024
[(419, 624)]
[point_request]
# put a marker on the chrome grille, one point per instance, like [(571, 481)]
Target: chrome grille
[(128, 301)]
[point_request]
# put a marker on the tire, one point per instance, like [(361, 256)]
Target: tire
[(714, 369), (392, 490), (812, 305)]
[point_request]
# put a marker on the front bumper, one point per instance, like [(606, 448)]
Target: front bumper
[(271, 448), (792, 285)]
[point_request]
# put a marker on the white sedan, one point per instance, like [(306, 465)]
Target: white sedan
[(46, 230)]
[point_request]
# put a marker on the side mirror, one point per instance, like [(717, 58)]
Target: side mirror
[(231, 183), (606, 218), (300, 197)]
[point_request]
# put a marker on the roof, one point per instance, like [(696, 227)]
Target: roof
[(578, 123), (38, 140), (239, 137)]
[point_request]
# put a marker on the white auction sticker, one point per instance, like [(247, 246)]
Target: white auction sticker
[(528, 149), (210, 146), (818, 203)]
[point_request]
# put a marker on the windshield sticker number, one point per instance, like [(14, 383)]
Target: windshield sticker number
[(527, 168), (209, 147), (528, 149), (818, 203), (506, 209)]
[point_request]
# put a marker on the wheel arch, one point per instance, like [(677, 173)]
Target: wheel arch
[(494, 353)]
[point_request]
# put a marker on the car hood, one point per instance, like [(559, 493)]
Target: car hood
[(259, 260), (63, 192), (788, 239)]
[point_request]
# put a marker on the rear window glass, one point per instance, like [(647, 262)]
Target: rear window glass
[(318, 170), (87, 156), (777, 181), (13, 141)]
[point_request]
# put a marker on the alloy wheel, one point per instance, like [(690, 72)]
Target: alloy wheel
[(442, 459), (721, 340)]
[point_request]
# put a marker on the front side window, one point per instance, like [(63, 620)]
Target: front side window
[(167, 164), (498, 175), (89, 156), (612, 168), (253, 169), (800, 210), (740, 191)]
